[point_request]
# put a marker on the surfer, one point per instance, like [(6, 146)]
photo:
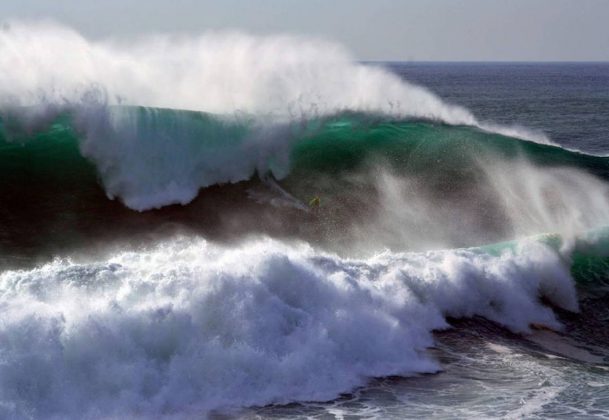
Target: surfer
[(314, 202)]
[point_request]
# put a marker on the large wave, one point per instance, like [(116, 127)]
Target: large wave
[(262, 86)]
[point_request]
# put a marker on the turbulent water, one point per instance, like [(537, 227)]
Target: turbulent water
[(228, 225)]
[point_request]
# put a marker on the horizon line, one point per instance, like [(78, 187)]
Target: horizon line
[(410, 61)]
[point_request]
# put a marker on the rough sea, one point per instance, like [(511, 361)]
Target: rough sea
[(230, 226)]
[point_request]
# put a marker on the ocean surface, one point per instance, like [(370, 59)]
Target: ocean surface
[(229, 226)]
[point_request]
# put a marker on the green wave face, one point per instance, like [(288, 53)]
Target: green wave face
[(443, 185), (374, 182), (48, 153), (345, 142), (447, 160), (587, 254)]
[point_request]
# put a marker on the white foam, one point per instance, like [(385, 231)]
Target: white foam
[(517, 131), (188, 326)]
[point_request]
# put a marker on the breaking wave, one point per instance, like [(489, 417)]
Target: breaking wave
[(303, 223)]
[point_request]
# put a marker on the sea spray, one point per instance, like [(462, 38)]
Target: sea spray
[(223, 73)]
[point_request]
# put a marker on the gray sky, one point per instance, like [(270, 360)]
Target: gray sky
[(462, 30)]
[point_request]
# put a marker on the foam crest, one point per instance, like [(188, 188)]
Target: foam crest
[(189, 327), (518, 132)]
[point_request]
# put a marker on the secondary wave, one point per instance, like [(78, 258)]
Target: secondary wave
[(188, 327)]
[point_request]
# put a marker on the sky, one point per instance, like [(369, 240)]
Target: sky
[(400, 30)]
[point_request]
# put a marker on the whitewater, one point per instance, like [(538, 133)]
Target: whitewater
[(221, 224)]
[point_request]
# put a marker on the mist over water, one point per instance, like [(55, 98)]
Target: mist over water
[(192, 225), (222, 73)]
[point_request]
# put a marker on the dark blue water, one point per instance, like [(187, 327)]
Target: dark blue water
[(567, 101)]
